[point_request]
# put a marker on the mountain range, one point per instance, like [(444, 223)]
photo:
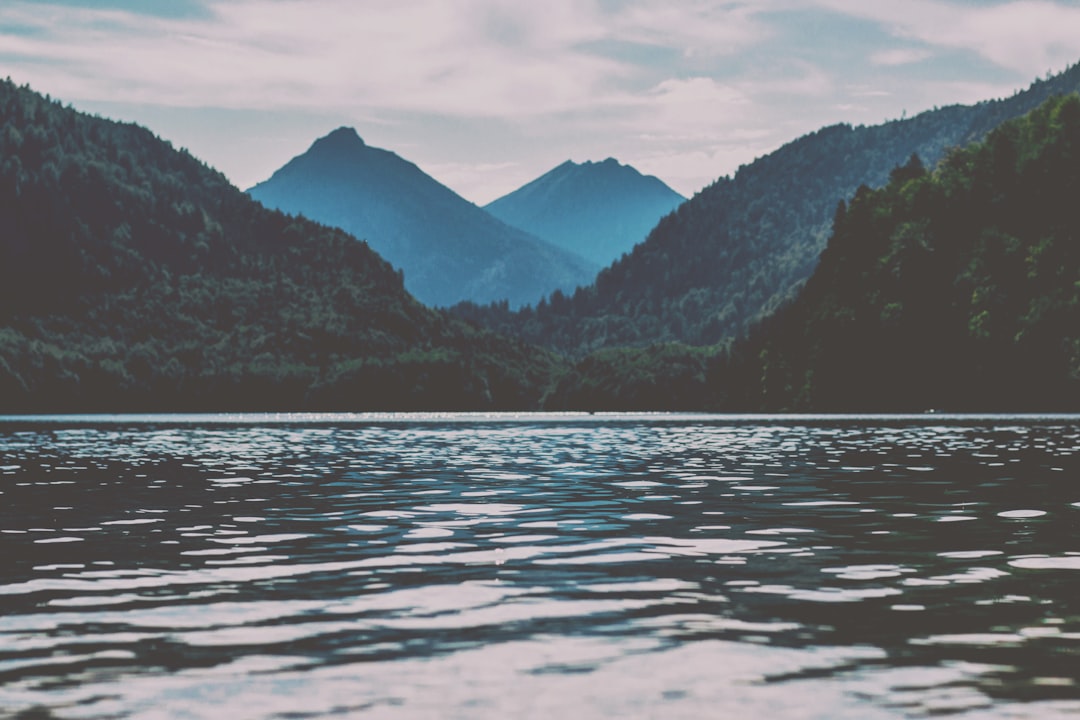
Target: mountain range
[(134, 277), (448, 249), (598, 210)]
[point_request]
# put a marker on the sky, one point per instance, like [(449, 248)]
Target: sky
[(486, 95)]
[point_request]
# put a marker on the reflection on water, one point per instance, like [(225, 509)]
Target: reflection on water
[(594, 567)]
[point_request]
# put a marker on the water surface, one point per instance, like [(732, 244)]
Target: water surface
[(527, 566)]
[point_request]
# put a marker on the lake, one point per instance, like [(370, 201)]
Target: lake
[(515, 566)]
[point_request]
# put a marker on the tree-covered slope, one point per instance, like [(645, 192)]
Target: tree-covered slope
[(957, 289), (134, 277), (449, 249), (737, 250), (598, 210)]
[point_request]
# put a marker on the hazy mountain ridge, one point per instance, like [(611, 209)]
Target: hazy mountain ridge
[(133, 277), (448, 248), (737, 250), (598, 210)]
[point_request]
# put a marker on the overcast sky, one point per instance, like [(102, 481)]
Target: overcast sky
[(487, 94)]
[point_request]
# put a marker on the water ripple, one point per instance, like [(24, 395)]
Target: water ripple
[(599, 567)]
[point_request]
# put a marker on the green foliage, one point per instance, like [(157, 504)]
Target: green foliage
[(133, 277), (957, 289), (659, 377)]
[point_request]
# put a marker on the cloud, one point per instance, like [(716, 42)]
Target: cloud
[(469, 57), (587, 64), (465, 57), (691, 89), (694, 102), (1028, 37), (698, 28), (900, 56)]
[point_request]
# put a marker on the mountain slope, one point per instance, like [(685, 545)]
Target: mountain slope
[(957, 289), (133, 277), (449, 249), (738, 249), (598, 210)]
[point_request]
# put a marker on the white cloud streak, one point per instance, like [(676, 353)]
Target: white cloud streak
[(699, 28), (900, 56)]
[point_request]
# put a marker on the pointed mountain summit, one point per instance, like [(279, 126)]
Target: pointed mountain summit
[(344, 136), (449, 249), (342, 140), (599, 210)]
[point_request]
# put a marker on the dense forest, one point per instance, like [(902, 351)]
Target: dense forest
[(133, 277), (956, 289), (740, 248)]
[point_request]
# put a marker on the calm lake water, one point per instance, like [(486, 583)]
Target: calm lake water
[(539, 566)]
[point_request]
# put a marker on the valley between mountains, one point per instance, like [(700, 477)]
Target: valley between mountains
[(929, 262)]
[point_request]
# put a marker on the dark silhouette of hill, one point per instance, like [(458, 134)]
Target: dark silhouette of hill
[(736, 251), (448, 248), (956, 289), (598, 210), (133, 277)]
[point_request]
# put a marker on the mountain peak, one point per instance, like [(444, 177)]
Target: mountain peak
[(344, 138), (588, 166), (609, 162), (448, 249), (598, 209)]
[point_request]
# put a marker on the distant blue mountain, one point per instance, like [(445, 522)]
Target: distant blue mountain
[(448, 248), (598, 210)]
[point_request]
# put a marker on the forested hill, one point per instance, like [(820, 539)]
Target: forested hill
[(449, 249), (956, 289), (739, 248), (133, 277), (599, 210)]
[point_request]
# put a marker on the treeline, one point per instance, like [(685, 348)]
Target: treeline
[(957, 289), (133, 277)]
